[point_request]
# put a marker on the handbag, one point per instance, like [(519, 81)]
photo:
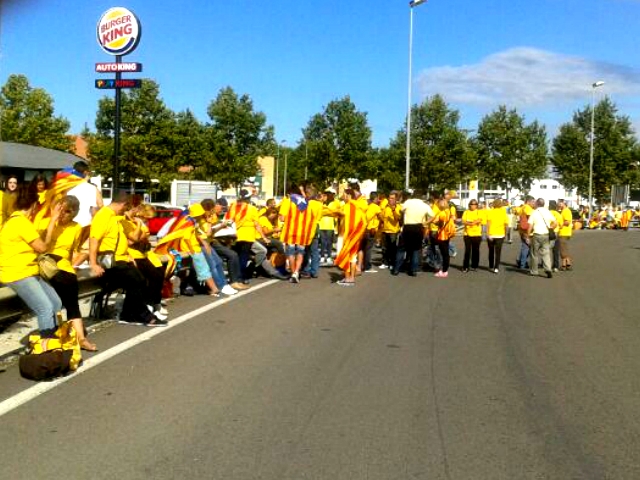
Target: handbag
[(107, 259), (552, 232), (48, 266), (45, 366), (65, 339)]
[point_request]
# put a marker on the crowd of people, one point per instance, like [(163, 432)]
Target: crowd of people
[(229, 244)]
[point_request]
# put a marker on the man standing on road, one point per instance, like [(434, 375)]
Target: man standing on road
[(540, 222), (566, 230), (523, 229), (416, 215)]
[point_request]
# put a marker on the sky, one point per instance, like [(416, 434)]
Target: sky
[(294, 57)]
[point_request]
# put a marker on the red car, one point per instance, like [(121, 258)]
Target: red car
[(164, 213)]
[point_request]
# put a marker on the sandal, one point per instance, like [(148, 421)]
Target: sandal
[(88, 346)]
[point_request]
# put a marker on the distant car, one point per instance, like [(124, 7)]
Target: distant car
[(164, 213)]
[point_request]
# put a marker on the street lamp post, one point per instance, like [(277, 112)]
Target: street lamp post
[(412, 4), (275, 190), (594, 86)]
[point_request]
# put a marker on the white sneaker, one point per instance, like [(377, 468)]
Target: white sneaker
[(160, 316), (383, 267), (228, 290), (161, 309)]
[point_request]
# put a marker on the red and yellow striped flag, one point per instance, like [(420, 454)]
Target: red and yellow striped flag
[(65, 180), (354, 227)]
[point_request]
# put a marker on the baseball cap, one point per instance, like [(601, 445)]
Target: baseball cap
[(196, 210)]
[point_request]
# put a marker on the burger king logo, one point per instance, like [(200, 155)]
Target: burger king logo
[(118, 31)]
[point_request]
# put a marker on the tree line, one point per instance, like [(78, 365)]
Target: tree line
[(158, 143)]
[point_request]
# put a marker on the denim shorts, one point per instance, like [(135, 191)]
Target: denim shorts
[(291, 250), (199, 262)]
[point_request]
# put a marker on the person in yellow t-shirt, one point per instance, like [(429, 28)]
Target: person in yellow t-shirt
[(555, 244), (327, 225), (20, 244), (523, 229), (248, 229), (109, 257), (147, 262), (472, 221), (65, 249), (564, 235), (374, 217), (497, 223), (391, 215)]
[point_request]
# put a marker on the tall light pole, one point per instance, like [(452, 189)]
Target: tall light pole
[(594, 86), (412, 4), (275, 190)]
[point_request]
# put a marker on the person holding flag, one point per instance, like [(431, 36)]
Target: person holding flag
[(64, 181), (353, 225)]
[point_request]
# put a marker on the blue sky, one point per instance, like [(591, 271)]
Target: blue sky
[(293, 57)]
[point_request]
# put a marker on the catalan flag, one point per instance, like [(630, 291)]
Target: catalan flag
[(355, 223), (300, 221), (237, 213), (65, 180), (176, 240)]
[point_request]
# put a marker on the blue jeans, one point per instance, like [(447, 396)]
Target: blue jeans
[(42, 299), (326, 241), (215, 265), (523, 258), (311, 262)]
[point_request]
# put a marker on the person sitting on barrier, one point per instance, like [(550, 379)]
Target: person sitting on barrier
[(218, 244), (147, 262), (64, 249), (20, 244), (194, 246), (204, 232), (40, 185), (109, 257)]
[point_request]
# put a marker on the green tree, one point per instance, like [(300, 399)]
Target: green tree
[(338, 143), (147, 139), (615, 155), (27, 116), (509, 152), (236, 136), (441, 156)]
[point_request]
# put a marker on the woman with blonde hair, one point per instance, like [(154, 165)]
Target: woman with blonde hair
[(65, 248)]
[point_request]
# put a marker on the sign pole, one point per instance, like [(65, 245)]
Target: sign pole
[(116, 135)]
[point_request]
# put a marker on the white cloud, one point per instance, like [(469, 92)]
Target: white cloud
[(527, 77)]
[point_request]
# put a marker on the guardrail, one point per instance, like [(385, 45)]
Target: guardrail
[(12, 308)]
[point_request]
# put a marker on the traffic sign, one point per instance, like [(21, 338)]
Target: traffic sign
[(110, 84)]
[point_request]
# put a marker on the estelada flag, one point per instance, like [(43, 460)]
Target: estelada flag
[(237, 212), (65, 180), (300, 220), (176, 240), (355, 224)]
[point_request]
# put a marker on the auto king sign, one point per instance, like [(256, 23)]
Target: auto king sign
[(118, 31)]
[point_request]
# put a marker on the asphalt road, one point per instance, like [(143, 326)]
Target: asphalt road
[(477, 376)]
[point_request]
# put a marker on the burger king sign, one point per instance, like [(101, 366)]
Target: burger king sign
[(118, 31)]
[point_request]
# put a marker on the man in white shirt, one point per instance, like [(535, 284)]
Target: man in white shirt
[(415, 216), (90, 199), (540, 222)]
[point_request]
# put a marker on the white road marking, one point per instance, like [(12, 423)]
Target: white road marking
[(30, 393)]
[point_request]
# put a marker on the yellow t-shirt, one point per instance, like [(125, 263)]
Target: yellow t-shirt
[(373, 220), (472, 216), (391, 222), (17, 258), (558, 218), (566, 231), (106, 228), (383, 203), (497, 221), (246, 232), (328, 221), (129, 226), (433, 226), (266, 225), (66, 242)]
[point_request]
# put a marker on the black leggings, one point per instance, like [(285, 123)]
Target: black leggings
[(124, 275), (443, 245), (66, 286), (495, 249), (154, 277), (471, 251)]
